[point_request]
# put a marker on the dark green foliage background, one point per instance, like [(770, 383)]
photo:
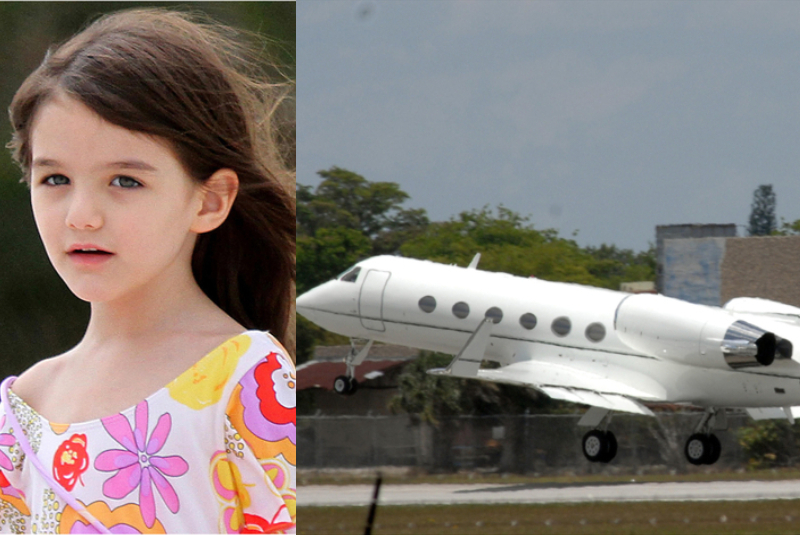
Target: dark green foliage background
[(39, 317)]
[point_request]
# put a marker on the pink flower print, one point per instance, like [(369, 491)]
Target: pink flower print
[(138, 465), (6, 439)]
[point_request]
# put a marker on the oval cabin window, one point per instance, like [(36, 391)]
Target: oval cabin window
[(461, 310), (595, 332), (427, 304), (561, 326), (528, 321), (495, 314)]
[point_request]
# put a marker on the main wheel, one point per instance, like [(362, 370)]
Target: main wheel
[(611, 452), (595, 446), (698, 449), (714, 449)]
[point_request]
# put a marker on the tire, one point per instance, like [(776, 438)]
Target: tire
[(352, 386), (595, 446), (341, 385), (697, 449), (611, 447), (714, 449)]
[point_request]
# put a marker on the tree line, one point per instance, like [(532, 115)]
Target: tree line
[(348, 218)]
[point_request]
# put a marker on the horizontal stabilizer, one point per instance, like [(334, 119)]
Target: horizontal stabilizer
[(607, 401), (764, 307), (468, 361)]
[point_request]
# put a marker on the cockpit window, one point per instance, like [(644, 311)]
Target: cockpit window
[(350, 276)]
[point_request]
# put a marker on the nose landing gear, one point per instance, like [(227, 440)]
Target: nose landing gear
[(346, 385)]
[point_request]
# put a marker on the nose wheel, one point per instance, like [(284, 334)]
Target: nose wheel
[(345, 386), (599, 446)]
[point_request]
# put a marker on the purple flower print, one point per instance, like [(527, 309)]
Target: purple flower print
[(138, 465), (6, 439)]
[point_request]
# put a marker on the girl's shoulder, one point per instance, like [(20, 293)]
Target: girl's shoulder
[(35, 381), (223, 372)]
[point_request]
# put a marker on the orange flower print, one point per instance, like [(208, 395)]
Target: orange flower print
[(259, 524), (71, 461)]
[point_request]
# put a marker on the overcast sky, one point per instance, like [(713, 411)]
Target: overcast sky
[(608, 118)]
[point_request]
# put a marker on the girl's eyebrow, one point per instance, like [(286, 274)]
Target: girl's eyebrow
[(137, 165), (134, 164)]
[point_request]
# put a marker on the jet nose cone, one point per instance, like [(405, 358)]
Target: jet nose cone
[(305, 301)]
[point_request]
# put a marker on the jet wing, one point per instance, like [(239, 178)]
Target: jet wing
[(572, 382), (584, 380)]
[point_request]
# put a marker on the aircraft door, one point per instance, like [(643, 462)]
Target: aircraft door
[(370, 301)]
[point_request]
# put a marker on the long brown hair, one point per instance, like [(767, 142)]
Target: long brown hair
[(195, 84)]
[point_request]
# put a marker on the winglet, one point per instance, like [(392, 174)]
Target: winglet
[(468, 361), (475, 260)]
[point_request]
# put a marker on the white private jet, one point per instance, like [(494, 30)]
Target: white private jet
[(611, 350)]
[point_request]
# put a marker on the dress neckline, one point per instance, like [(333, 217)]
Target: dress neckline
[(15, 400)]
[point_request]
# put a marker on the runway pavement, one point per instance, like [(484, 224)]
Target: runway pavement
[(322, 495)]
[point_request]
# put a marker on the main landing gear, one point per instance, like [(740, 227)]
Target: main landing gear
[(599, 446), (346, 385), (702, 449), (703, 446)]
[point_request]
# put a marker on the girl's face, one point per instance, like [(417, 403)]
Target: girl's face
[(115, 208)]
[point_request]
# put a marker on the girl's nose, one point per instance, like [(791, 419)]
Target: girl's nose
[(84, 212)]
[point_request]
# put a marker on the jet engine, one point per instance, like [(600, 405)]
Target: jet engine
[(695, 334)]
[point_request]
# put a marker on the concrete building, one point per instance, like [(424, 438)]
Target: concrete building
[(709, 265)]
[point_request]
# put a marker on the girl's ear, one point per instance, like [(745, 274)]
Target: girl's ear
[(217, 195)]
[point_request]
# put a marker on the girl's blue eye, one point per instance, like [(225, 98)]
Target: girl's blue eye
[(56, 180), (126, 182)]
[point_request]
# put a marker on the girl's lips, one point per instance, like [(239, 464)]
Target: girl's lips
[(95, 258)]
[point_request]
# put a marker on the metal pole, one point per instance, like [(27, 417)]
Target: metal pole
[(373, 506)]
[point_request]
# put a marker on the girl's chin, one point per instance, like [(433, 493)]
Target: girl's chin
[(93, 294)]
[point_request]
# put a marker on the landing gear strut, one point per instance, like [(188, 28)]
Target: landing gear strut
[(703, 446), (347, 385)]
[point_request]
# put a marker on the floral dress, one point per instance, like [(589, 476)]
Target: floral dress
[(213, 451)]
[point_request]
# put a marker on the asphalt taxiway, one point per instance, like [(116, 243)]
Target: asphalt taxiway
[(428, 494)]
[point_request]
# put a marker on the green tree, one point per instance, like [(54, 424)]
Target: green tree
[(762, 212), (346, 218), (346, 199), (509, 244)]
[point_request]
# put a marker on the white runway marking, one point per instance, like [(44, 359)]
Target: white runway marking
[(426, 494)]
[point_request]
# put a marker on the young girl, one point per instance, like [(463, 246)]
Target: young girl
[(157, 193)]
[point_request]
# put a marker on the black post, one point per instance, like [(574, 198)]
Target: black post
[(374, 506)]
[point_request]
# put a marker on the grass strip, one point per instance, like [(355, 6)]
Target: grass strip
[(752, 517)]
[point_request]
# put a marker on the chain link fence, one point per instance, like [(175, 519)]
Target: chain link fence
[(538, 444)]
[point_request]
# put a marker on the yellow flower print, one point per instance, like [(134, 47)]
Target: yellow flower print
[(202, 385), (127, 516), (231, 491)]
